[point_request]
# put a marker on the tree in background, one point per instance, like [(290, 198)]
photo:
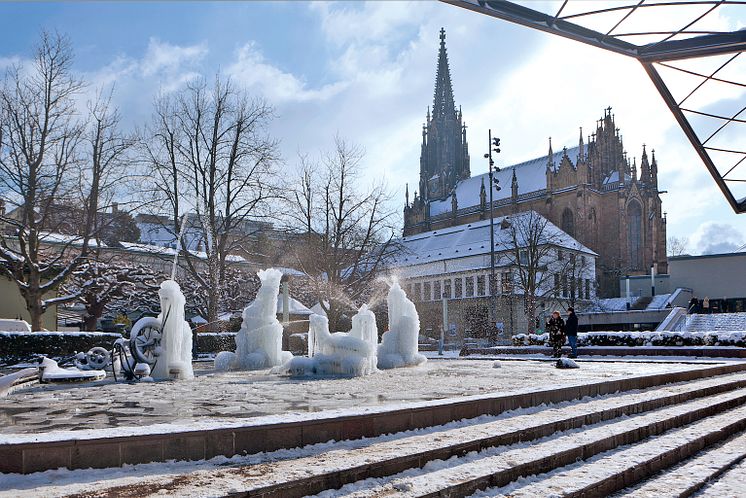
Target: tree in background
[(56, 172), (677, 246), (543, 264), (109, 287), (348, 230), (210, 154)]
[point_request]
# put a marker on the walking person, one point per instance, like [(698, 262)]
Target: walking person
[(706, 305), (556, 330), (571, 330)]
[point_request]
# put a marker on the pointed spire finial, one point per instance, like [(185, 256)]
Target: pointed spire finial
[(443, 104), (406, 196)]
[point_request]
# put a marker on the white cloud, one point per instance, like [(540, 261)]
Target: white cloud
[(251, 70), (162, 57), (717, 238)]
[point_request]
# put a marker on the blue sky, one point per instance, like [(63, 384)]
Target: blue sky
[(366, 70)]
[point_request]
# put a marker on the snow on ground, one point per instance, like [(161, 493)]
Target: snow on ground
[(221, 475), (238, 396)]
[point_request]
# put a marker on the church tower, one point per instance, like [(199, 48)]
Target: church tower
[(444, 158)]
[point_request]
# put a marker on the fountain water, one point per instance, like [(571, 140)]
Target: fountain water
[(398, 346), (347, 353), (175, 358), (259, 342)]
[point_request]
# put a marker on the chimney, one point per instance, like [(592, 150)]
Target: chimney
[(114, 207)]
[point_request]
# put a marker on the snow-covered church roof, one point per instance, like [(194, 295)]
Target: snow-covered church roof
[(472, 239), (531, 176)]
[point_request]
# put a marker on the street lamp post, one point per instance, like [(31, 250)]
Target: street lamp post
[(494, 185)]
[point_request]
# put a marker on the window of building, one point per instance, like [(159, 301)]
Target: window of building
[(447, 288), (436, 290), (568, 222), (587, 288), (507, 282), (480, 285), (470, 286), (572, 259), (564, 285), (560, 255), (523, 256), (556, 284), (458, 287), (634, 235), (428, 295), (418, 291)]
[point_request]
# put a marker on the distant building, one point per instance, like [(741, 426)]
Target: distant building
[(592, 191), (721, 277), (454, 263)]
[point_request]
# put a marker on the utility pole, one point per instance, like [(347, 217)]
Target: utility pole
[(493, 145)]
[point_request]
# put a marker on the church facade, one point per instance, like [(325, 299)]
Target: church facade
[(593, 191)]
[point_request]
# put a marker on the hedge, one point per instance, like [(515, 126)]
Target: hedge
[(673, 339)]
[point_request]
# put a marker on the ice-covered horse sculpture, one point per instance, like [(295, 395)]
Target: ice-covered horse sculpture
[(175, 358), (346, 353), (398, 346), (259, 342)]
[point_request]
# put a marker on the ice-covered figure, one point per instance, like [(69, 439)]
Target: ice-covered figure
[(175, 359), (259, 342), (398, 346), (346, 353)]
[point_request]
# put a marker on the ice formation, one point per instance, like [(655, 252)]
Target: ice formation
[(259, 342), (175, 359), (398, 346), (346, 353)]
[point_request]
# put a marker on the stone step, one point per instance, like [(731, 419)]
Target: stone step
[(612, 470), (729, 485), (28, 453), (397, 453), (502, 465), (687, 478)]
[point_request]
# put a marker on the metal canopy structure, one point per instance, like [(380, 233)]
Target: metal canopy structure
[(691, 58)]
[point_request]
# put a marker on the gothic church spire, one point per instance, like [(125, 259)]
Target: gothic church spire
[(443, 104)]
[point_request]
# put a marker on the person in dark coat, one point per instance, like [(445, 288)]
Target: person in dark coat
[(571, 330), (556, 331)]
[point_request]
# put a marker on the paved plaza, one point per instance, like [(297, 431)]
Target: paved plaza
[(234, 395)]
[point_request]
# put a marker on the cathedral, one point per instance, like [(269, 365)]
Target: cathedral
[(593, 190)]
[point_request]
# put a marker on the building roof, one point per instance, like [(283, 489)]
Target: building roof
[(531, 177), (473, 239)]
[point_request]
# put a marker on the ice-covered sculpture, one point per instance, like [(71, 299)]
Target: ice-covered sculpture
[(346, 353), (398, 346), (175, 359), (259, 342)]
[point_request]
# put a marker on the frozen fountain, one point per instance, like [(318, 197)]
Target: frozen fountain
[(398, 346), (175, 358), (341, 353), (259, 341)]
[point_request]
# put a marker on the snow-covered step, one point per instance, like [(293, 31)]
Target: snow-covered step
[(501, 465), (288, 473), (607, 472), (688, 477), (729, 485)]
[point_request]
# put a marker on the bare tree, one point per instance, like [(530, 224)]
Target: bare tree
[(55, 169), (106, 286), (677, 246), (210, 154), (545, 261), (347, 227)]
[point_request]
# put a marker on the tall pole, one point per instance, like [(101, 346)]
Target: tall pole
[(493, 302)]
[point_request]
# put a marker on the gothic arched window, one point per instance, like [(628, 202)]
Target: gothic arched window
[(568, 222), (634, 235)]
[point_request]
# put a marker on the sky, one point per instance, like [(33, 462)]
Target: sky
[(366, 71)]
